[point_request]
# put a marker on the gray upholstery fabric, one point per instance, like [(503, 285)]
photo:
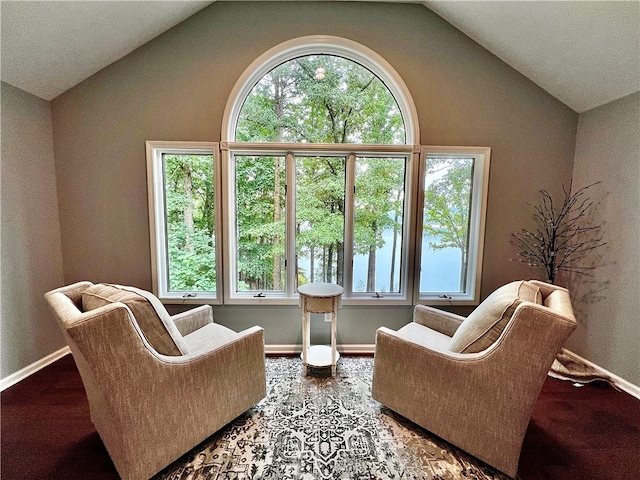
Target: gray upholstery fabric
[(416, 333), (150, 408), (209, 336), (439, 320), (480, 402), (150, 314), (192, 320), (485, 324)]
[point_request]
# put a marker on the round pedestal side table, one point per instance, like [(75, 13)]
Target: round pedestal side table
[(319, 298)]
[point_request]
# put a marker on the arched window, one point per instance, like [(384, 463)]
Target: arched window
[(319, 160), (357, 56), (320, 99)]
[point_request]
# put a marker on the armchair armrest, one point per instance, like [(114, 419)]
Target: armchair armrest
[(191, 320), (439, 320)]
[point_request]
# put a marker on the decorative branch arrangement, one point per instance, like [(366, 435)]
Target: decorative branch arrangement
[(562, 238)]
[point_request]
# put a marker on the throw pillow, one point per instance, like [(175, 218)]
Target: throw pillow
[(152, 318), (485, 324)]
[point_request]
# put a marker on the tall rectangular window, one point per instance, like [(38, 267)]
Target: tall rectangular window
[(184, 220), (260, 214), (378, 224), (319, 199), (453, 192)]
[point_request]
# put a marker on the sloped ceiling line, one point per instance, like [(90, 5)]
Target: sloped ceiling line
[(585, 53)]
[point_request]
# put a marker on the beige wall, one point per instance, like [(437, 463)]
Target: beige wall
[(176, 86), (31, 254), (608, 305)]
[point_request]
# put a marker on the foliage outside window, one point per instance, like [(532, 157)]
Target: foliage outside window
[(260, 222), (320, 219), (343, 135), (183, 213), (320, 99), (320, 183), (454, 193), (378, 238)]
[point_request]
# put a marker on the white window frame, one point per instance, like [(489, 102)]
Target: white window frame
[(158, 226), (290, 151), (477, 221), (413, 215), (320, 45)]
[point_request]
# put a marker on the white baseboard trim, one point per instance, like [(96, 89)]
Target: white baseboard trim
[(620, 382), (355, 349), (33, 368), (364, 349)]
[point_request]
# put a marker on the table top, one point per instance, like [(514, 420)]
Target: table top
[(320, 289)]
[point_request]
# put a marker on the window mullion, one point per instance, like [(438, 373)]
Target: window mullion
[(412, 224), (350, 174), (419, 170), (229, 194), (291, 253)]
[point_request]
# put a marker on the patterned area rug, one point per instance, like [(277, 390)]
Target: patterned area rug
[(323, 428)]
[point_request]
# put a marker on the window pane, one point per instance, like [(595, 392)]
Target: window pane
[(320, 99), (320, 219), (378, 221), (190, 221), (260, 223), (445, 235)]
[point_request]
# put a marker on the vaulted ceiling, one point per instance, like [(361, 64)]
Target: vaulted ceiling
[(585, 53)]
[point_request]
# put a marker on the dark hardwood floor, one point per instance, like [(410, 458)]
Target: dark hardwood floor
[(592, 432)]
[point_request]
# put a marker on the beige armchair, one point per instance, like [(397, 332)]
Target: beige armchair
[(474, 381), (157, 385)]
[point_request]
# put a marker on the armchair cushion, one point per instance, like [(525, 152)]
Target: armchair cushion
[(153, 319), (209, 337), (485, 324), (417, 333)]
